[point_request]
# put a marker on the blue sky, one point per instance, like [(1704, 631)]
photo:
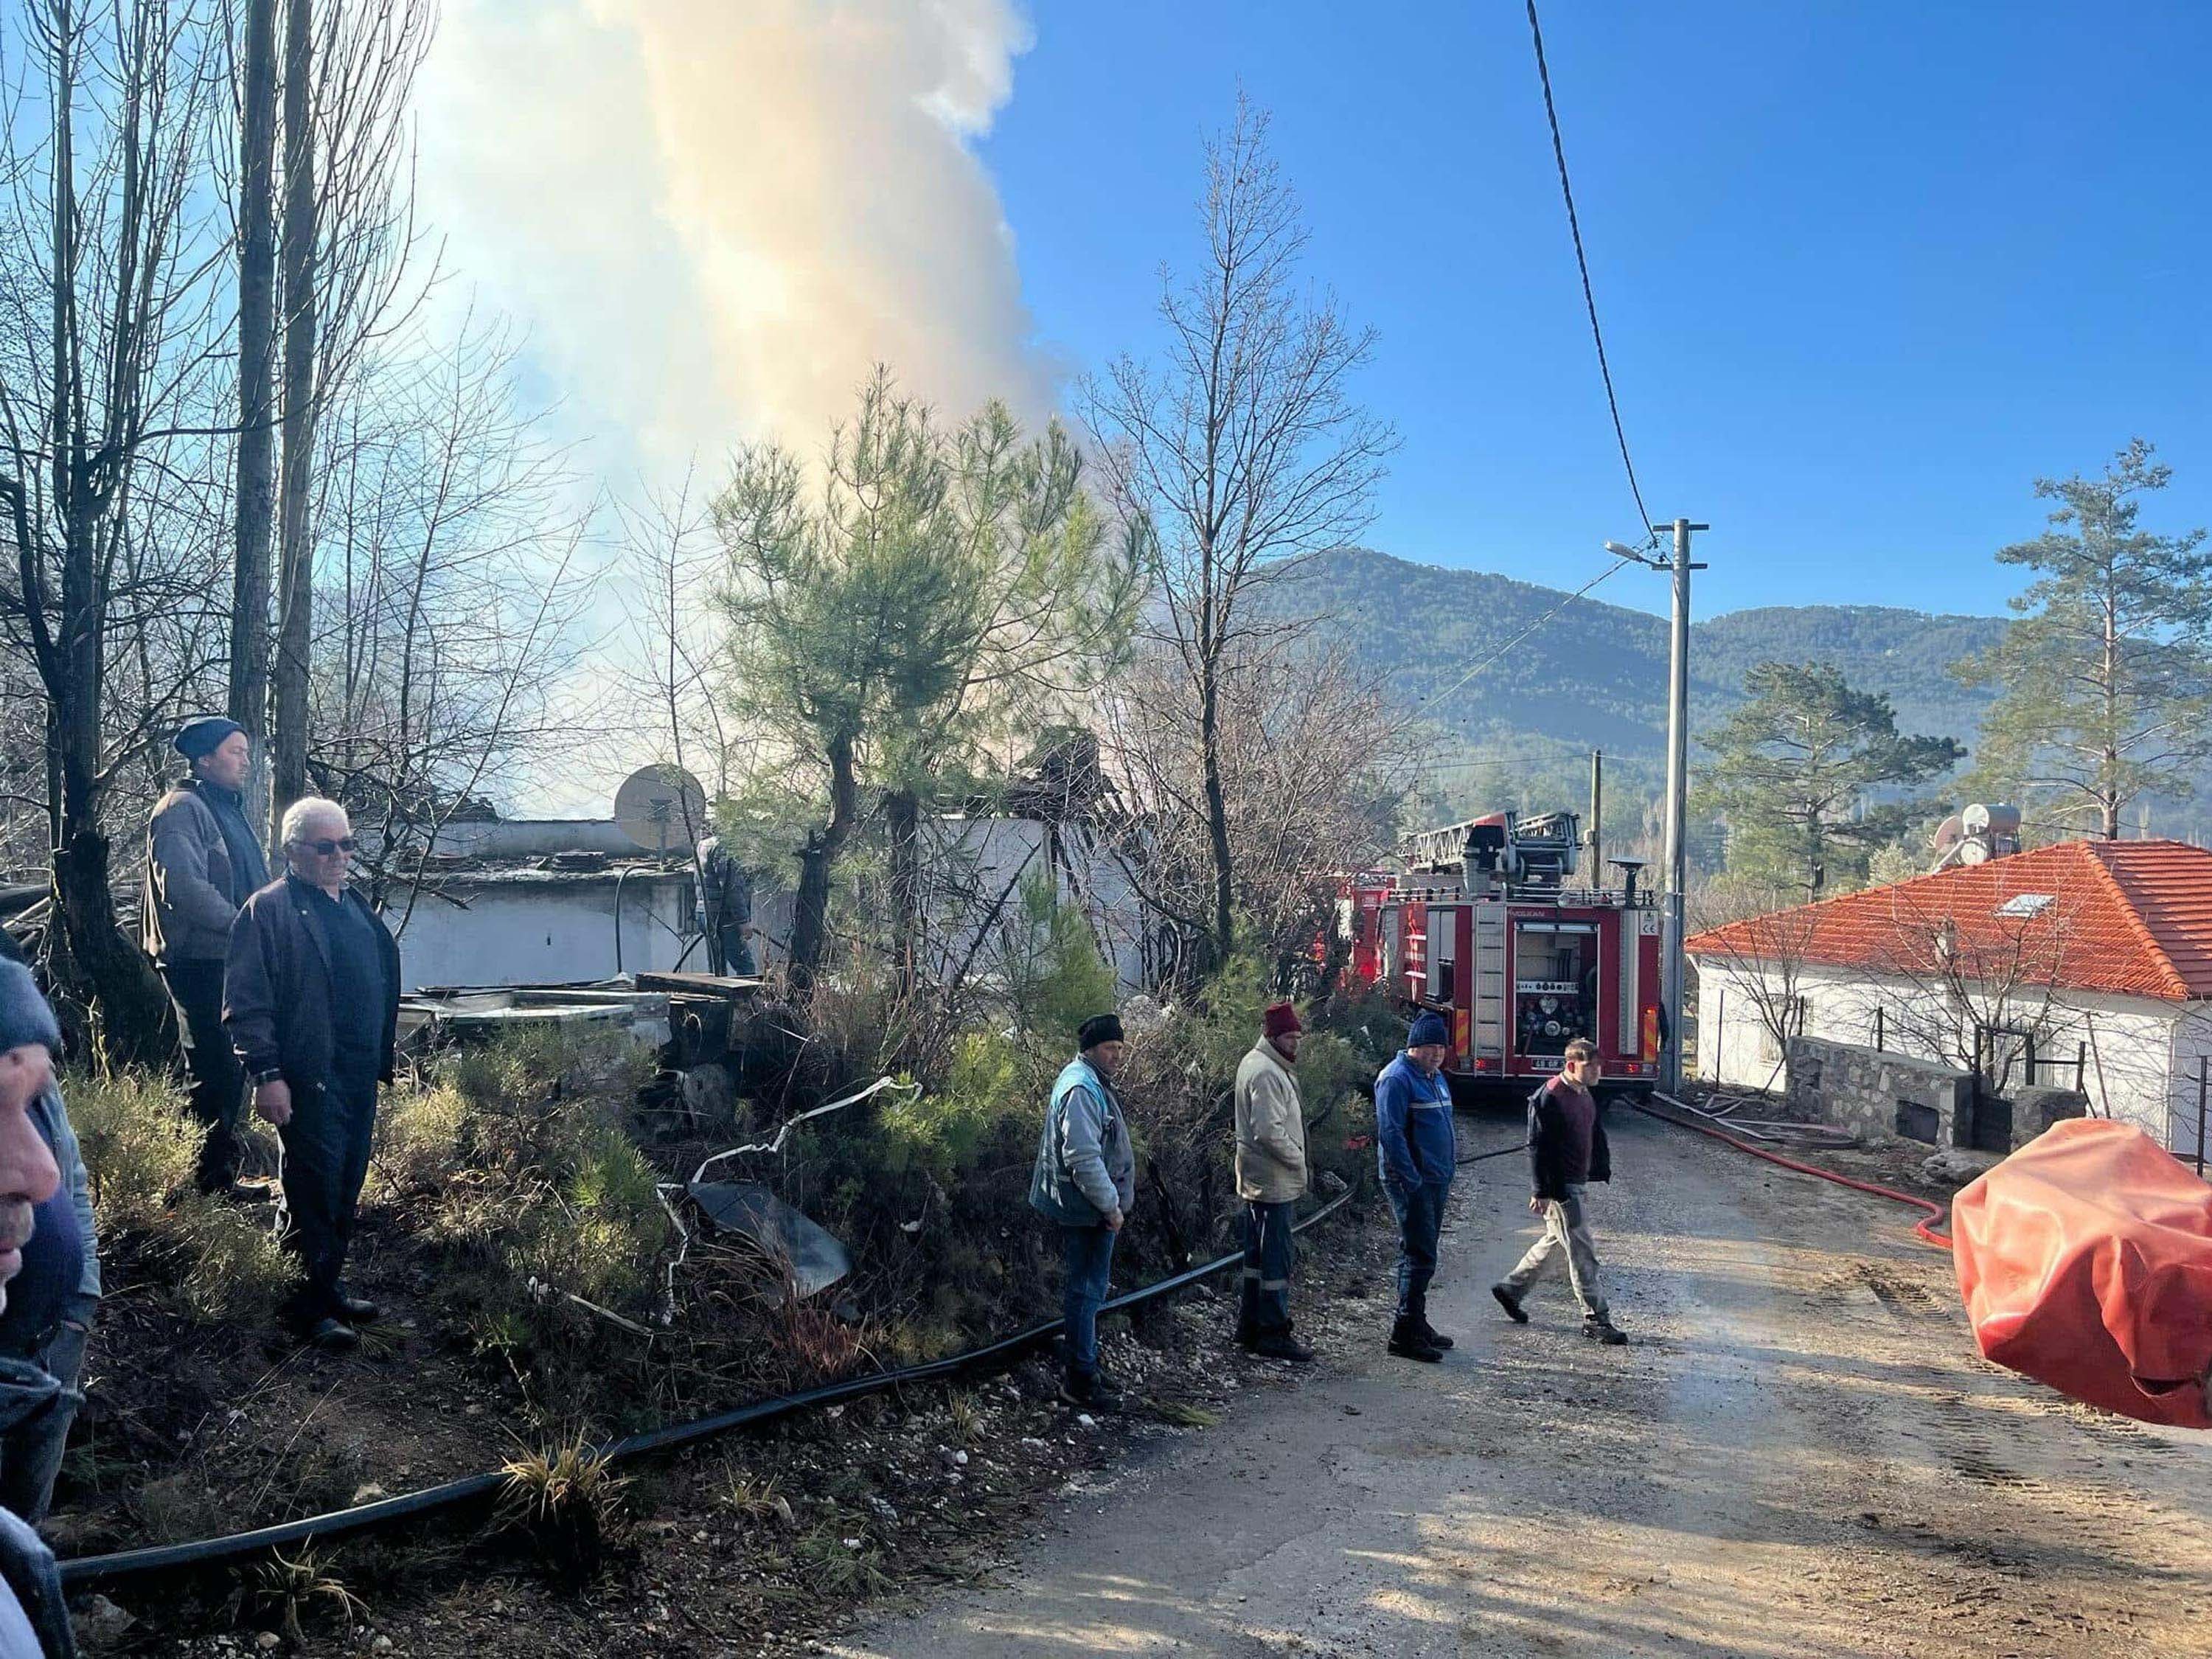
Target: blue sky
[(1865, 271)]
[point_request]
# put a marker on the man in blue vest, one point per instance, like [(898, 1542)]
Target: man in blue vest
[(1418, 1152), (1084, 1181)]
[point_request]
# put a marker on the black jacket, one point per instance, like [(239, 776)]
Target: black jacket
[(276, 987), (1548, 1138)]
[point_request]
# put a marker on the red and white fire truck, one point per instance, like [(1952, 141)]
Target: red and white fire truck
[(1484, 928)]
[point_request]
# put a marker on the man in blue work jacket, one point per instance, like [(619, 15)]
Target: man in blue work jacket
[(1417, 1151)]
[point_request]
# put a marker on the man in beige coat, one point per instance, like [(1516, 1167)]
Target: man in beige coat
[(1271, 1178)]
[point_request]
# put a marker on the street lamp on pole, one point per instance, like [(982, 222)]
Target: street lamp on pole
[(1678, 781)]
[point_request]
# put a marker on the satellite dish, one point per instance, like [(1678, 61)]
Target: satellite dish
[(661, 808), (1949, 834)]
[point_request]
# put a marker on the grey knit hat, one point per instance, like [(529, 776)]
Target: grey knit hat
[(25, 1016)]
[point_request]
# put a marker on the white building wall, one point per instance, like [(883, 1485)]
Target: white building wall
[(2192, 1048), (2137, 1047), (544, 932)]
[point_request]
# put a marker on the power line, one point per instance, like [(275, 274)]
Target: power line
[(1482, 663), (1589, 300)]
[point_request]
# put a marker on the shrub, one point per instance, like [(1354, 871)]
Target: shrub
[(418, 1136), (234, 1270), (141, 1146)]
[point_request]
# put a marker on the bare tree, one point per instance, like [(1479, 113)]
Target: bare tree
[(349, 281), (1756, 938), (676, 682), (452, 555), (1311, 769), (110, 268), (1241, 449), (256, 213)]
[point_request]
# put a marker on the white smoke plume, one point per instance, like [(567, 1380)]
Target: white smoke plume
[(715, 216)]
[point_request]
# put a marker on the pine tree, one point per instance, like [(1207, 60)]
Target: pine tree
[(1793, 770), (2105, 680)]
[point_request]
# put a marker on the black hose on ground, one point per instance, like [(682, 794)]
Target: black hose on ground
[(87, 1570), (1502, 1151)]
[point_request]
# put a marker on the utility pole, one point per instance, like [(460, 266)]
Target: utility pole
[(1678, 787), (1595, 836)]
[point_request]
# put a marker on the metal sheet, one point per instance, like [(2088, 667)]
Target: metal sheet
[(817, 1260)]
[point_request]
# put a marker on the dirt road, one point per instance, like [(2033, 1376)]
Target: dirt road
[(1801, 1454)]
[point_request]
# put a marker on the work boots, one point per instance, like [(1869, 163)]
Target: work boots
[(1409, 1342)]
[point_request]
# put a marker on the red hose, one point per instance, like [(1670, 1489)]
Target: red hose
[(1927, 1234)]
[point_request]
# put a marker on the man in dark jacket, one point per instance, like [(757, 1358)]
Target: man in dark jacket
[(312, 1003), (1567, 1150), (726, 894), (202, 858)]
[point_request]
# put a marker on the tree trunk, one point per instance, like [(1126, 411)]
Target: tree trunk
[(257, 437), (902, 819), (288, 704), (1217, 812), (810, 921)]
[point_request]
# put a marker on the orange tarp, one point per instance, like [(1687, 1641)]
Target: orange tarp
[(2085, 1262)]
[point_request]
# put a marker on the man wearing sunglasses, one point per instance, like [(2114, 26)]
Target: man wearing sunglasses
[(312, 1004)]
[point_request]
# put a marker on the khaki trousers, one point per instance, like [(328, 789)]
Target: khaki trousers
[(1566, 1233)]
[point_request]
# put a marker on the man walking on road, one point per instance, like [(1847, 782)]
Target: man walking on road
[(1567, 1150), (1085, 1180), (203, 859), (311, 1002), (1417, 1150), (1271, 1178)]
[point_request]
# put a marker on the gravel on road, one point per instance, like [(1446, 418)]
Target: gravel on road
[(1801, 1453)]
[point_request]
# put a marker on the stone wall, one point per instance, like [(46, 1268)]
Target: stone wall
[(1876, 1094)]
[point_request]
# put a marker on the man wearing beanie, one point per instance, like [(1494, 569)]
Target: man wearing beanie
[(1271, 1178), (54, 1297), (1418, 1152), (1085, 1180), (33, 1619), (203, 861)]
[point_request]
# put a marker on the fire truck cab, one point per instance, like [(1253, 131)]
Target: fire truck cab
[(1485, 929)]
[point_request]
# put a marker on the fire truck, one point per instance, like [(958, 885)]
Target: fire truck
[(1485, 929)]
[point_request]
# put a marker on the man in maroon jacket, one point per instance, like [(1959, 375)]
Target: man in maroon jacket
[(1567, 1150)]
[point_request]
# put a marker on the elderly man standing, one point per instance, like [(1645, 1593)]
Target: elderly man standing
[(1271, 1178), (312, 1003), (203, 859), (1417, 1149), (1084, 1181)]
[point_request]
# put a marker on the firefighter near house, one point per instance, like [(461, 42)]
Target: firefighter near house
[(1485, 929)]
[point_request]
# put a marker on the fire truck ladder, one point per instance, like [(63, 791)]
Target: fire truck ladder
[(1489, 999)]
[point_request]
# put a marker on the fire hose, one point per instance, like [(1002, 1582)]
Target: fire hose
[(85, 1571), (1924, 1229)]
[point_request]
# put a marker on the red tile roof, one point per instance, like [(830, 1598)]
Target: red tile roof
[(2132, 917)]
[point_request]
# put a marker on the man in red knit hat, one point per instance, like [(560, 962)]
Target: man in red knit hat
[(1271, 1178)]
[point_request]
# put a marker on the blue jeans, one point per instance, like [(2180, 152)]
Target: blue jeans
[(31, 1451), (1268, 1252), (1088, 1254), (1420, 1212)]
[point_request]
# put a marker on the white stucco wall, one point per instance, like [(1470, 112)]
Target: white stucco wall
[(549, 931), (2137, 1046), (993, 852)]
